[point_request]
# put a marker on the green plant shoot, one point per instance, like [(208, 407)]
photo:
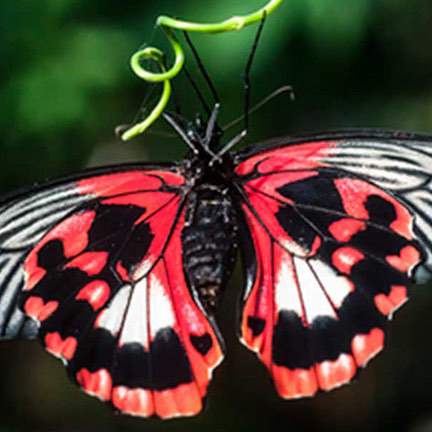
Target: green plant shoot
[(234, 23)]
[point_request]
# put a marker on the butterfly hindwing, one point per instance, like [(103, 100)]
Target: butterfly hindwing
[(104, 280), (334, 252)]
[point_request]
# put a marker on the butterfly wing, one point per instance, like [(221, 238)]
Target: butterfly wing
[(336, 228), (97, 270)]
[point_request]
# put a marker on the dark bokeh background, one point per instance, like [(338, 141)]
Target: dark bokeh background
[(65, 84)]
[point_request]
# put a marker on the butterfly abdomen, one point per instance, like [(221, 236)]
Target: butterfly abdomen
[(209, 242)]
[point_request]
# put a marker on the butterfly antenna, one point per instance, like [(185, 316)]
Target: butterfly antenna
[(247, 72), (281, 90), (202, 68), (247, 97), (180, 131)]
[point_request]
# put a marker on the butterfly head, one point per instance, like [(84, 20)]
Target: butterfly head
[(206, 158), (202, 138)]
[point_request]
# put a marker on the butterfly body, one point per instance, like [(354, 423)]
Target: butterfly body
[(209, 236)]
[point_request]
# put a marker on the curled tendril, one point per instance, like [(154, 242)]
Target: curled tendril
[(234, 23)]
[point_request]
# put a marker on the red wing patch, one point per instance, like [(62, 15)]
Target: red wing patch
[(106, 285), (332, 259), (296, 157)]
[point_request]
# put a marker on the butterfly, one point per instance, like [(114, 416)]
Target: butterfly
[(118, 270)]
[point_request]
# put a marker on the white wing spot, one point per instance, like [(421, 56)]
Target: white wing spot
[(135, 325), (161, 309), (286, 289), (111, 317), (315, 301)]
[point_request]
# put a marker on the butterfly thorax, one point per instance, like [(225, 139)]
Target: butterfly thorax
[(199, 170)]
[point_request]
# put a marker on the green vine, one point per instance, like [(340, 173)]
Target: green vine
[(234, 23)]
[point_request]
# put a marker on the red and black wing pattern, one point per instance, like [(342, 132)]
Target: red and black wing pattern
[(24, 219), (102, 277), (336, 228)]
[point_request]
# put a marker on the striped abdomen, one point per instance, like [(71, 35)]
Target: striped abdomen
[(209, 242)]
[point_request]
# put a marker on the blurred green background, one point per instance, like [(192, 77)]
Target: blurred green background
[(65, 84)]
